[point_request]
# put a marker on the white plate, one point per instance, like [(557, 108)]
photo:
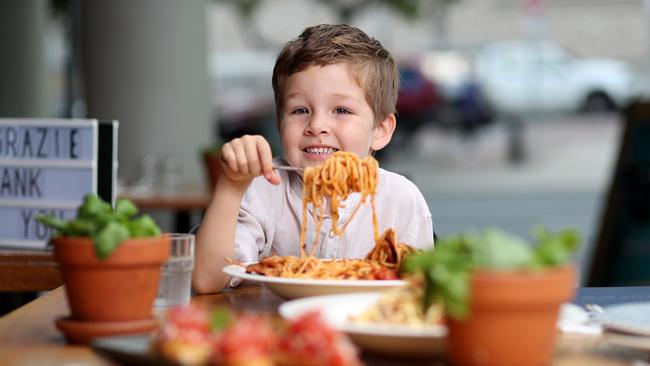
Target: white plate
[(395, 340), (631, 318), (293, 288)]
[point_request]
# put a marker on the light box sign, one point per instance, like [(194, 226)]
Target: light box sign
[(47, 166)]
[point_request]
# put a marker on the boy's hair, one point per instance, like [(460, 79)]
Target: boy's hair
[(371, 65)]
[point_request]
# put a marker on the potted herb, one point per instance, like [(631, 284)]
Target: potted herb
[(501, 296), (211, 157), (110, 263)]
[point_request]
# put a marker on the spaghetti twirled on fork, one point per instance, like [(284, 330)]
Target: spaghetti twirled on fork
[(340, 175)]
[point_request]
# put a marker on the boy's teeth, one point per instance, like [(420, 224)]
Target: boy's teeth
[(320, 150)]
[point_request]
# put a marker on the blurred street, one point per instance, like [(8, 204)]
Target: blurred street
[(560, 182)]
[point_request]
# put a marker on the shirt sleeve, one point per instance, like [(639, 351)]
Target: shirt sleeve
[(423, 239), (416, 229), (250, 232), (248, 237)]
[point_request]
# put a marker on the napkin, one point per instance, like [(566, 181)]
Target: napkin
[(574, 319)]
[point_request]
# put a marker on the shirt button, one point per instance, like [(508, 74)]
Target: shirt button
[(332, 233)]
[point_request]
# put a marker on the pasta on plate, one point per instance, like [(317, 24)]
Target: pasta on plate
[(401, 306), (381, 263)]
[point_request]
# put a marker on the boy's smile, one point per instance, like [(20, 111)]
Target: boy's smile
[(325, 110), (319, 152)]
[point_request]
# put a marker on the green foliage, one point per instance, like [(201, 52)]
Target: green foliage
[(106, 226), (245, 7), (448, 267), (406, 8), (346, 9), (212, 149)]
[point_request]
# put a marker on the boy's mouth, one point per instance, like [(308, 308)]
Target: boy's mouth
[(320, 150), (318, 153)]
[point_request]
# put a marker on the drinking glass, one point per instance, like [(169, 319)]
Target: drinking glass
[(176, 273)]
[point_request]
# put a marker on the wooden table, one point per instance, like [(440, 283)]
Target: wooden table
[(28, 335), (24, 270)]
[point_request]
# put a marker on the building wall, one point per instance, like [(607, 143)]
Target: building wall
[(594, 28)]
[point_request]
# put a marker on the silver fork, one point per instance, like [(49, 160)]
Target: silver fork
[(594, 309), (596, 313), (291, 168)]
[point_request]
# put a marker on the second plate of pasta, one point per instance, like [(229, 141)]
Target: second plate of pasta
[(388, 339), (293, 288)]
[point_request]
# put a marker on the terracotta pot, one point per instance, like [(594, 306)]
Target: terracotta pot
[(512, 319), (212, 164), (120, 288)]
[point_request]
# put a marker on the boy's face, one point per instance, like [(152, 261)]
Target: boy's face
[(324, 111)]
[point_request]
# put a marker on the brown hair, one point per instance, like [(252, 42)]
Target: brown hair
[(370, 63)]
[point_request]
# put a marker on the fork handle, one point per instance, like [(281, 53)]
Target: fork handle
[(291, 168)]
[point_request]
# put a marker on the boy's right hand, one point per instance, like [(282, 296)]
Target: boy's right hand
[(247, 157)]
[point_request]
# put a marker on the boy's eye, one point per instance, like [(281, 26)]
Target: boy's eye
[(341, 110), (300, 111)]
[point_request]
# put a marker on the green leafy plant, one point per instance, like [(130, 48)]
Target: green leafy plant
[(210, 149), (447, 268), (220, 318), (106, 226)]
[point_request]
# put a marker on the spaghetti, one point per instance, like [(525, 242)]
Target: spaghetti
[(401, 306), (340, 175), (381, 263), (316, 268)]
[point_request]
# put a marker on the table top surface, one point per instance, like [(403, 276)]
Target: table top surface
[(25, 270), (28, 335)]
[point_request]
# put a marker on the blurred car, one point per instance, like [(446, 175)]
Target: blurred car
[(418, 96), (470, 109), (540, 76), (464, 107), (418, 102)]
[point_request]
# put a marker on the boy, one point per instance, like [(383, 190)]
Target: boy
[(335, 89)]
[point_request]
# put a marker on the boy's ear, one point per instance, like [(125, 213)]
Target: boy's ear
[(384, 132)]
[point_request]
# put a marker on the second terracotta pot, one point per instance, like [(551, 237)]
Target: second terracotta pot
[(512, 319)]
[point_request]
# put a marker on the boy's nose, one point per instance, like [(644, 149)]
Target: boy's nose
[(318, 124)]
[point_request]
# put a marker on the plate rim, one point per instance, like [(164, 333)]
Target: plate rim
[(237, 270), (627, 340), (113, 348)]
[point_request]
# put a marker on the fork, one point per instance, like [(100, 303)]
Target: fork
[(280, 167), (291, 168), (594, 308)]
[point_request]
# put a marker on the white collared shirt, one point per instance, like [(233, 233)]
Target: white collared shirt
[(270, 218)]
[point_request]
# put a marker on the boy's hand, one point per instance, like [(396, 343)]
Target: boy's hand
[(247, 157)]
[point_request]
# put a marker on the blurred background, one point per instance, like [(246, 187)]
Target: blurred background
[(509, 110)]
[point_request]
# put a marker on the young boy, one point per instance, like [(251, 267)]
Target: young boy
[(335, 89)]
